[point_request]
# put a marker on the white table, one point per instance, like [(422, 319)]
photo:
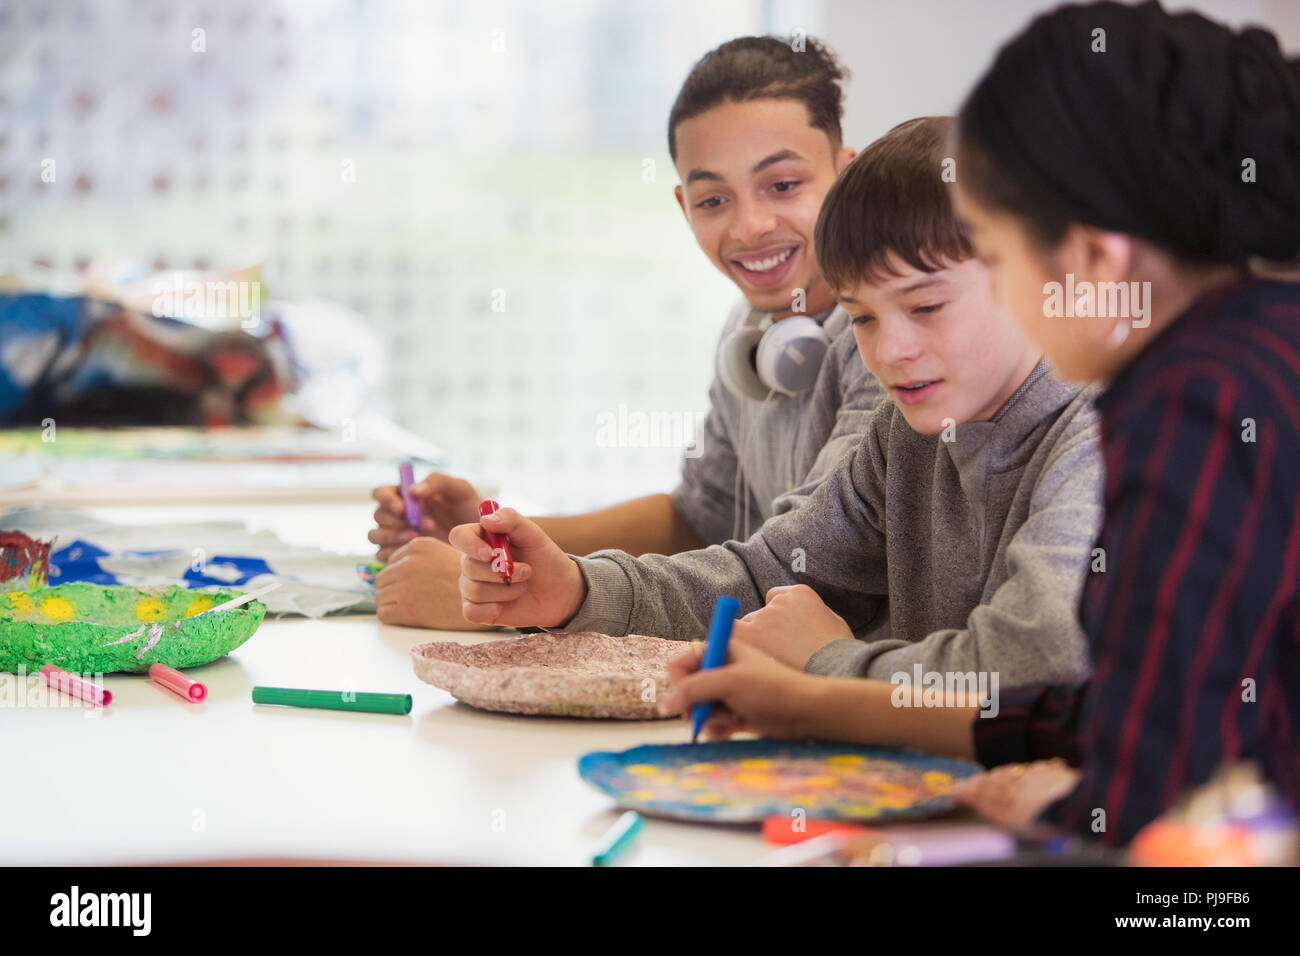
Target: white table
[(154, 779)]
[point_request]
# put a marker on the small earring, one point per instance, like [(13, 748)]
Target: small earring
[(1119, 334)]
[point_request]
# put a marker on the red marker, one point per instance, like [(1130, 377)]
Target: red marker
[(178, 683), (74, 686), (502, 563)]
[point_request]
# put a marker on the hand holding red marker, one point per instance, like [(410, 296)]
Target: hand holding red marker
[(511, 573), (502, 563)]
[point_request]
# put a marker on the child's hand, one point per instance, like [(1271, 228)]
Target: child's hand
[(752, 692), (447, 501), (444, 503), (391, 530), (546, 587), (1015, 794), (794, 625), (421, 587)]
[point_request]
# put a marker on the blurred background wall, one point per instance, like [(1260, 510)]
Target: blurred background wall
[(486, 184)]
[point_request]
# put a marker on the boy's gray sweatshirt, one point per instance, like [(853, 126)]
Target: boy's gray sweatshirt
[(785, 446), (962, 555)]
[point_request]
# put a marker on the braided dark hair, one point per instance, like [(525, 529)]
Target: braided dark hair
[(1177, 130)]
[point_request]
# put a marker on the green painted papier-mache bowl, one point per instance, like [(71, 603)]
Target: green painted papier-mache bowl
[(103, 629)]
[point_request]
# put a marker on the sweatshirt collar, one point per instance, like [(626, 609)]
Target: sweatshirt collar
[(1041, 396)]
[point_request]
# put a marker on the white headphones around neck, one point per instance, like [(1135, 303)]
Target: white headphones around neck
[(762, 356)]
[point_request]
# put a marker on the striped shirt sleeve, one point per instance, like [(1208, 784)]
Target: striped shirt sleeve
[(1201, 553), (1033, 722)]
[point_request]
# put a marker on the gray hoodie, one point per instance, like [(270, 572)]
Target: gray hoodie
[(963, 555)]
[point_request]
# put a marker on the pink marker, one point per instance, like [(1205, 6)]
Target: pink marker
[(72, 685), (178, 683)]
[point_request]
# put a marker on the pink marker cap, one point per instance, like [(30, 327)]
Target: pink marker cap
[(55, 676), (178, 683)]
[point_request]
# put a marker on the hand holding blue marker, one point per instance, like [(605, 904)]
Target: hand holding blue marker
[(715, 653)]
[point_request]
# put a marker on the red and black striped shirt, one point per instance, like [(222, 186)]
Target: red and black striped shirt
[(1194, 625)]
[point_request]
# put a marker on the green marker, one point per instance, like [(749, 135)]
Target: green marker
[(618, 838), (334, 700)]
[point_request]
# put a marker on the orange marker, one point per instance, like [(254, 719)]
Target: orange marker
[(780, 830)]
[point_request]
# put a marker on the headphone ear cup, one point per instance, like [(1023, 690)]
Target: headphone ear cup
[(736, 368), (790, 355)]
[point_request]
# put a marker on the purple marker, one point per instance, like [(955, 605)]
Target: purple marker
[(407, 478)]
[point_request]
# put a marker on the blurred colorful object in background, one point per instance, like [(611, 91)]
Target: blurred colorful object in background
[(84, 360), (24, 561), (368, 571), (1236, 819)]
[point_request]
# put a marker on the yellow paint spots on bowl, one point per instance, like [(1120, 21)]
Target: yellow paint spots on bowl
[(822, 781), (57, 608), (642, 769), (693, 784), (859, 809), (638, 795), (150, 609), (198, 605), (889, 786), (708, 799), (756, 763), (756, 781), (805, 799), (845, 760), (936, 779), (890, 802), (21, 600)]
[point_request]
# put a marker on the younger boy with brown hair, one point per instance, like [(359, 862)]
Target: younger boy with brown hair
[(956, 537)]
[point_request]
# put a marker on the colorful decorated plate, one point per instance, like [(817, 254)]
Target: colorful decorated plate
[(745, 781), (98, 629), (563, 675)]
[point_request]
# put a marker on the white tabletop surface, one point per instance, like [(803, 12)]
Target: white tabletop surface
[(151, 778)]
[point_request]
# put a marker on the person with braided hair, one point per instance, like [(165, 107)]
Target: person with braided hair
[(1168, 154)]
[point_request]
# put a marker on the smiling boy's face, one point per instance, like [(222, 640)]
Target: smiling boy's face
[(753, 178), (939, 343)]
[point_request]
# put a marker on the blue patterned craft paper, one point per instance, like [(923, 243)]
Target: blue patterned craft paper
[(745, 781), (82, 561)]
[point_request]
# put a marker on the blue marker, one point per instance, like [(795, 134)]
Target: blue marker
[(715, 652)]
